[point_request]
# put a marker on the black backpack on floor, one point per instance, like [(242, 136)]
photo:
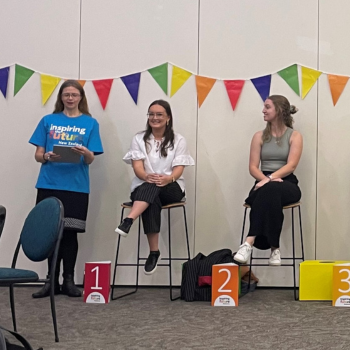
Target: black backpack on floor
[(200, 266), (8, 339)]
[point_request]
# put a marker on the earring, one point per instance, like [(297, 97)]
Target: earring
[(167, 122)]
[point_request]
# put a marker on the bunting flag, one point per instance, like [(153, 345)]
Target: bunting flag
[(132, 83), (82, 82), (160, 75), (290, 76), (4, 77), (234, 89), (262, 85), (337, 84), (308, 78), (103, 88), (179, 78), (22, 75), (204, 85), (48, 85)]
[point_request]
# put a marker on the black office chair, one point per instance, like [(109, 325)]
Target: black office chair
[(40, 238), (2, 218)]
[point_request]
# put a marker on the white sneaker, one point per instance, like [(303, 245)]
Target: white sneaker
[(243, 253), (275, 258)]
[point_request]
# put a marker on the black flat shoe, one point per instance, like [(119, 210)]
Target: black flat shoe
[(45, 291), (69, 288)]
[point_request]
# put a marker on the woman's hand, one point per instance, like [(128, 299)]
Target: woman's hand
[(152, 178), (261, 183), (51, 157), (277, 180), (83, 151), (164, 180)]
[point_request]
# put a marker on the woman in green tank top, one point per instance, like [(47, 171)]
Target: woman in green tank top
[(274, 155)]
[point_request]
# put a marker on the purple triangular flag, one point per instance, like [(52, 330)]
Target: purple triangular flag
[(132, 83), (4, 76), (262, 84)]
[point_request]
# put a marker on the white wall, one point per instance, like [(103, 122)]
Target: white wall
[(225, 39)]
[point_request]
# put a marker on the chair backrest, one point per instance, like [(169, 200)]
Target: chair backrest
[(42, 228), (2, 218)]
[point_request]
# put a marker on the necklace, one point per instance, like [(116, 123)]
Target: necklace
[(157, 144), (279, 138)]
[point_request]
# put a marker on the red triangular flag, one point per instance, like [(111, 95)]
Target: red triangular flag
[(234, 89), (103, 88)]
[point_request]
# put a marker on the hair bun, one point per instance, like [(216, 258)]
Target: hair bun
[(293, 109)]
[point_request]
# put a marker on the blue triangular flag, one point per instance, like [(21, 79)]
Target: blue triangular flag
[(4, 76), (132, 83), (262, 84)]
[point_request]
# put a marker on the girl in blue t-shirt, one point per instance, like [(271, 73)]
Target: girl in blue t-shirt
[(71, 129)]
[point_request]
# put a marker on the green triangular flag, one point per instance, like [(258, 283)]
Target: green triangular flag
[(22, 75), (290, 75), (160, 75)]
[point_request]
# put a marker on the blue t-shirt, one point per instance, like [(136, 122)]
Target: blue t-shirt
[(58, 129)]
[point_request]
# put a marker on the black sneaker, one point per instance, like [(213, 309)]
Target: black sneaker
[(124, 228), (151, 263)]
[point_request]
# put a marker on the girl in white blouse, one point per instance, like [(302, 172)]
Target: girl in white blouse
[(158, 157)]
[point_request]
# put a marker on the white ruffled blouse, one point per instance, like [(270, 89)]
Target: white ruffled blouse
[(154, 162)]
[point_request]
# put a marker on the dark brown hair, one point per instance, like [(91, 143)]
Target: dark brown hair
[(83, 106), (284, 113), (168, 133)]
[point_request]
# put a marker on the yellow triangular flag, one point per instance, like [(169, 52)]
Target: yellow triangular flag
[(308, 78), (48, 85), (179, 78)]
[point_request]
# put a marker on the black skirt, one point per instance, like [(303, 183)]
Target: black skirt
[(75, 207)]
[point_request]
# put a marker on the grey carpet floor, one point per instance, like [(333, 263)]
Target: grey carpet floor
[(264, 319)]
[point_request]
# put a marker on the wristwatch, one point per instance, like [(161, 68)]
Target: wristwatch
[(270, 177)]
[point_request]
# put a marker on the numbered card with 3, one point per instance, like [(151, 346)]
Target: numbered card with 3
[(97, 282), (225, 285), (341, 285)]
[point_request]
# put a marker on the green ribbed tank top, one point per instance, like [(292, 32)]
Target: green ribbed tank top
[(274, 156)]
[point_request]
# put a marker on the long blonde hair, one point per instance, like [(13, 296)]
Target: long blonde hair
[(284, 111)]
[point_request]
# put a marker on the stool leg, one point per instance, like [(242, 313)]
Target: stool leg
[(116, 257), (250, 270), (186, 230), (301, 235), (116, 265), (138, 256), (170, 260), (293, 244), (244, 217)]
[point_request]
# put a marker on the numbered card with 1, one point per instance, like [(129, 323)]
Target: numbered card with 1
[(97, 282)]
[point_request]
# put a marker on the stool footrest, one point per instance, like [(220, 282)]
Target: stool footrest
[(269, 265)]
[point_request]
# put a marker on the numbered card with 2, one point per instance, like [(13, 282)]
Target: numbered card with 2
[(97, 282), (341, 285), (225, 285)]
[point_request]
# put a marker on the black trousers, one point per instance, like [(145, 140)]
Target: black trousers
[(156, 197), (266, 214)]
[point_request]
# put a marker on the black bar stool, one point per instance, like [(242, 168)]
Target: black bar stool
[(169, 260), (294, 258)]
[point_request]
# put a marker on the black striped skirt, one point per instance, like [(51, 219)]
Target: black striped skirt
[(75, 207)]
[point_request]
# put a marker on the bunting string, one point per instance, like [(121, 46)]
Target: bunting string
[(301, 83)]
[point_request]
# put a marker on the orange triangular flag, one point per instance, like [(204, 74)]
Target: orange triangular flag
[(337, 84), (204, 85), (82, 82)]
